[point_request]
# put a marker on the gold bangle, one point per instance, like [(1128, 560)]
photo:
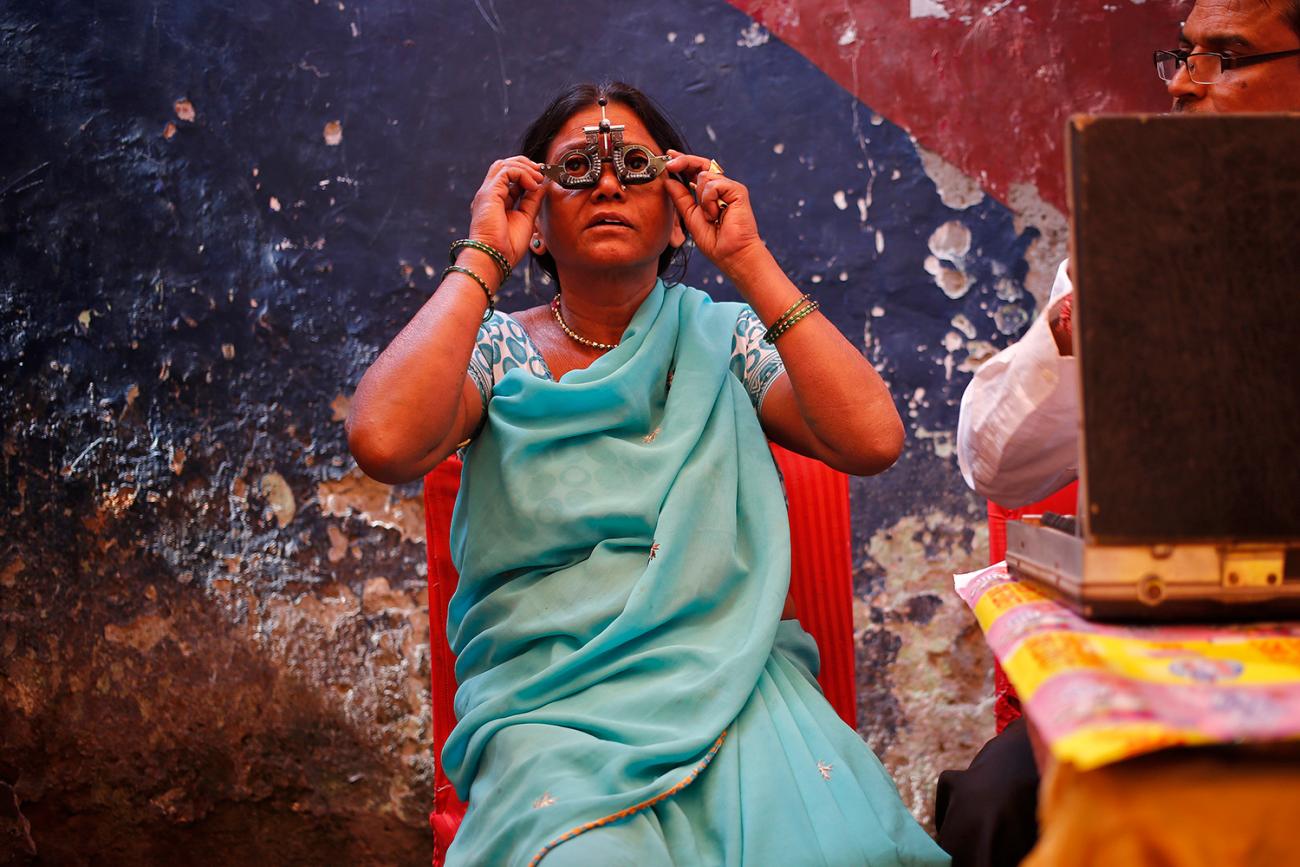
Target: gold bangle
[(491, 299), (497, 255), (804, 313)]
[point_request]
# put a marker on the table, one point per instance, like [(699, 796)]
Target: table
[(1169, 745)]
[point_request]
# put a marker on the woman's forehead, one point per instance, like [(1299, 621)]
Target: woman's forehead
[(571, 136)]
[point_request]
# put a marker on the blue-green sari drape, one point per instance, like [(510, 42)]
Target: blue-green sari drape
[(623, 551)]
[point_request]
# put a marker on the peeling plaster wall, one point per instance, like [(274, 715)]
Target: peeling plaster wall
[(215, 640), (987, 84)]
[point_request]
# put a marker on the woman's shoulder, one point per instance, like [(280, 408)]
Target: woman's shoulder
[(498, 320), (503, 326), (505, 341)]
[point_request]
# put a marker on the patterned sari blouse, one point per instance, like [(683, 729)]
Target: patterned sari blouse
[(502, 345)]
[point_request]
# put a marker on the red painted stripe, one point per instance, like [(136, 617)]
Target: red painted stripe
[(1027, 64)]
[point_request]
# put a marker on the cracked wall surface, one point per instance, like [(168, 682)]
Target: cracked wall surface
[(212, 218)]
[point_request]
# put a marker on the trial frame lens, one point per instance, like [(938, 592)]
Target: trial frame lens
[(635, 164)]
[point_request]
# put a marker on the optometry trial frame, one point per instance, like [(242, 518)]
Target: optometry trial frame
[(580, 168)]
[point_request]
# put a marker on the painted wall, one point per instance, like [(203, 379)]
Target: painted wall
[(213, 217)]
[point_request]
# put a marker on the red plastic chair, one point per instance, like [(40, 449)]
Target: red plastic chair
[(1006, 705), (820, 583)]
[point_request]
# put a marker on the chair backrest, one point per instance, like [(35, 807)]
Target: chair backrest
[(820, 584), (821, 571), (440, 488), (1006, 704)]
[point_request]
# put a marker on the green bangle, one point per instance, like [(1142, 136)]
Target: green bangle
[(491, 299), (789, 310), (497, 255), (803, 313), (777, 327)]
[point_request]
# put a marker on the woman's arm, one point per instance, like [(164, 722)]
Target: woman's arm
[(416, 403), (831, 404)]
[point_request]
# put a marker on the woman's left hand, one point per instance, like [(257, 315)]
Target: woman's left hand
[(717, 212)]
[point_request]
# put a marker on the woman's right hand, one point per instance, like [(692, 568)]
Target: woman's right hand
[(506, 206)]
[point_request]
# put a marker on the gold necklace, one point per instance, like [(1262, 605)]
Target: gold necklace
[(595, 344)]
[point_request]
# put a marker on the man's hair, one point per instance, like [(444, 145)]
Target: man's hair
[(1290, 10)]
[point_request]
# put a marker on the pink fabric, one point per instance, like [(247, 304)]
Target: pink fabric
[(1006, 704)]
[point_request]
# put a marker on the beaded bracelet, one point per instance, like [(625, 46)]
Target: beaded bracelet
[(491, 299), (791, 309), (497, 255), (776, 327), (803, 313)]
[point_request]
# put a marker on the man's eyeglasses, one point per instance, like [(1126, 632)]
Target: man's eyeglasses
[(1207, 67)]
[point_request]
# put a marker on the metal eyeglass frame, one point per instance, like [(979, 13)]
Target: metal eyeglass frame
[(609, 138), (1180, 57), (619, 154)]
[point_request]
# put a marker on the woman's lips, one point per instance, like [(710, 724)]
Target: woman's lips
[(609, 221)]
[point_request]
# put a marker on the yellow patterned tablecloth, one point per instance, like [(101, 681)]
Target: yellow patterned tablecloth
[(1098, 693)]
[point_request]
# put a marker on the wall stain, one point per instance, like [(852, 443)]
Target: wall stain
[(375, 503), (938, 669)]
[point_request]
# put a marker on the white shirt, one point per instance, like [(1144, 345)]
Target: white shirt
[(1018, 431)]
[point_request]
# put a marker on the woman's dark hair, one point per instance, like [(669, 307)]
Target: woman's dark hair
[(542, 131)]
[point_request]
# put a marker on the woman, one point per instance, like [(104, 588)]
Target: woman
[(629, 692)]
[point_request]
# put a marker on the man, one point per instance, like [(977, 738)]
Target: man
[(1017, 435)]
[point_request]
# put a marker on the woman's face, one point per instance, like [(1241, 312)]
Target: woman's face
[(608, 225)]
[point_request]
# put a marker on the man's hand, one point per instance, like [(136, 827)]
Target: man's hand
[(1059, 320)]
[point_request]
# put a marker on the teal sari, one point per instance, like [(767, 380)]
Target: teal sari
[(628, 692)]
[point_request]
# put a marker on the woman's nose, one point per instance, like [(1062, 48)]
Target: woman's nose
[(607, 184)]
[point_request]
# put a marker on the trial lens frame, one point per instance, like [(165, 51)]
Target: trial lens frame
[(580, 168)]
